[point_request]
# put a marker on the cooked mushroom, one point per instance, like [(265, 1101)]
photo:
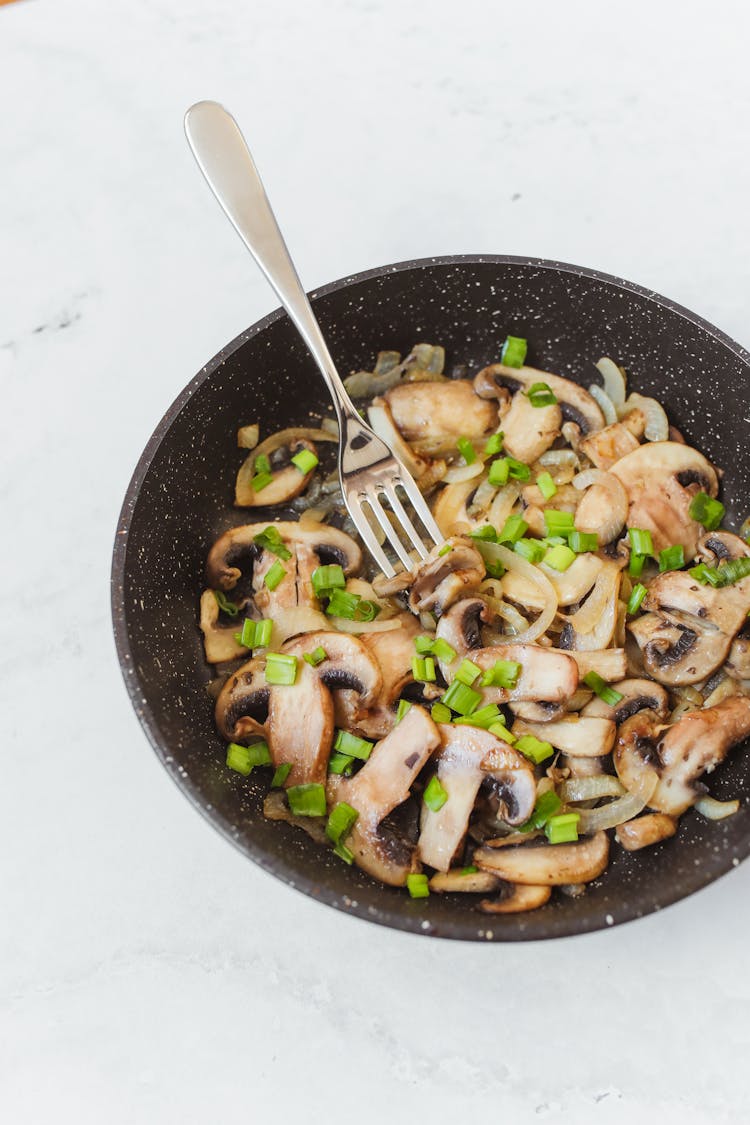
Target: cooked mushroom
[(530, 430), (516, 898), (423, 470), (584, 737), (547, 864), (609, 663), (218, 640), (738, 660), (383, 783), (645, 831), (287, 480), (637, 695), (545, 676), (238, 545), (576, 404), (661, 478), (609, 445), (430, 417), (467, 757), (603, 508), (349, 670), (393, 652), (720, 546), (459, 881), (445, 576)]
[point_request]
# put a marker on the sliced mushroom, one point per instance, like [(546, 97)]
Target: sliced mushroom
[(393, 652), (637, 695), (738, 660), (438, 414), (581, 767), (456, 882), (381, 419), (516, 899), (546, 676), (577, 405), (720, 546), (467, 757), (349, 670), (661, 478), (444, 577), (287, 481), (218, 640), (547, 864), (383, 783), (610, 663), (645, 831), (242, 704), (238, 544), (530, 430), (604, 505), (585, 737), (609, 445)]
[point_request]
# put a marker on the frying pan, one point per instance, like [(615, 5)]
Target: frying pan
[(180, 500)]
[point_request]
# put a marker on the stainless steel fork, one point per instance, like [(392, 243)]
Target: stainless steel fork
[(368, 469)]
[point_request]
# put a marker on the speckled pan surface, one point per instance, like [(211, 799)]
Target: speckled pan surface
[(180, 499)]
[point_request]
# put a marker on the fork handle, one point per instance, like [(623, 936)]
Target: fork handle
[(224, 159)]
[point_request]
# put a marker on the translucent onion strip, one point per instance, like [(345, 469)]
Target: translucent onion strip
[(590, 788), (464, 472), (605, 402), (495, 552), (610, 815), (716, 810), (657, 423), (614, 380)]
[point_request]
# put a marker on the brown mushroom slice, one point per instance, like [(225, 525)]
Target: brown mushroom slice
[(720, 546), (300, 727), (440, 414), (287, 481), (330, 544), (383, 783), (583, 737), (546, 676), (576, 404), (547, 864), (609, 445), (394, 653), (276, 807), (528, 430), (738, 660), (634, 756), (218, 640), (581, 767), (637, 695), (444, 577), (242, 704), (671, 653), (349, 670), (381, 419), (661, 478), (603, 508), (471, 883), (468, 754), (609, 663), (461, 628), (516, 898), (645, 831)]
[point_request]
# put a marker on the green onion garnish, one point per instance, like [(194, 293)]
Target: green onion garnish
[(601, 688), (327, 578), (467, 450), (423, 669), (581, 541), (641, 542), (341, 820), (494, 569), (281, 774), (562, 829), (435, 795), (316, 657), (534, 749), (305, 461), (444, 550), (559, 558), (499, 471), (424, 644), (353, 746), (558, 523), (270, 540), (417, 886), (636, 564), (353, 607), (274, 575), (403, 706), (461, 698), (261, 464), (501, 731), (307, 800), (671, 558), (546, 806), (340, 763), (514, 528), (530, 549), (517, 470), (514, 351), (225, 605), (344, 853), (706, 511), (541, 394), (546, 485), (486, 533), (494, 444), (485, 717), (241, 759), (261, 481), (255, 634), (443, 651), (440, 713), (635, 601), (281, 668), (467, 672), (503, 673), (470, 870), (733, 571)]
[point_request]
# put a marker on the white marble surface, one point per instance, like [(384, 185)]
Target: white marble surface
[(149, 973)]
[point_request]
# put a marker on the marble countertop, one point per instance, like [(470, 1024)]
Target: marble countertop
[(148, 972)]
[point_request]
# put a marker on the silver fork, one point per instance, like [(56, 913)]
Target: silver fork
[(368, 469)]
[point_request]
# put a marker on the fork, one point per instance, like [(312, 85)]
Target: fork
[(368, 470)]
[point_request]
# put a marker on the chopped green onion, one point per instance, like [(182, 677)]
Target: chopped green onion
[(440, 713), (424, 644), (225, 605), (444, 550), (316, 657), (517, 470), (417, 886), (635, 601), (263, 630), (486, 533), (305, 461), (240, 759), (531, 549), (467, 672), (514, 351), (708, 575), (262, 464), (671, 558), (601, 688), (270, 540), (581, 541), (352, 745), (559, 558), (514, 528), (706, 511), (281, 669), (494, 444), (467, 450), (340, 763), (470, 870), (546, 485), (501, 731), (541, 394), (255, 634), (546, 805), (307, 800), (281, 774), (636, 564), (403, 706), (343, 604), (499, 472), (261, 481), (443, 651), (461, 698), (423, 669), (562, 829), (344, 853), (555, 541), (503, 673), (494, 569), (641, 542), (534, 748), (341, 820), (485, 717), (558, 523), (274, 575), (435, 795), (734, 570), (327, 578)]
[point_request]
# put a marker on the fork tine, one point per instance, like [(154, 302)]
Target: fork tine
[(400, 512), (362, 524), (419, 504), (373, 499)]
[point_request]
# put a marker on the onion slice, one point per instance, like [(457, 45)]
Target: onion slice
[(716, 810), (495, 552), (605, 402), (614, 380), (610, 815), (657, 423), (590, 788)]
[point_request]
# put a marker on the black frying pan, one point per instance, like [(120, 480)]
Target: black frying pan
[(180, 500)]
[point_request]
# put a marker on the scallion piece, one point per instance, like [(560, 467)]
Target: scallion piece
[(485, 717), (434, 795), (445, 549), (494, 444), (423, 669), (641, 542), (531, 549), (501, 731), (706, 511), (461, 698), (340, 763), (343, 604), (562, 829), (486, 533), (270, 540), (671, 558), (307, 800), (558, 523), (274, 575), (470, 870), (261, 481), (708, 575), (546, 805), (635, 601), (305, 461), (255, 634), (440, 713), (503, 673), (559, 558), (636, 564), (499, 472), (514, 351), (244, 758), (546, 485), (327, 578), (417, 886), (443, 651), (424, 644), (534, 748), (541, 394), (467, 450), (346, 743), (582, 541), (316, 657), (467, 672), (281, 774), (601, 688), (263, 631), (517, 470), (403, 706), (341, 820), (514, 528), (225, 605), (734, 571), (494, 569), (262, 464), (281, 669), (344, 853)]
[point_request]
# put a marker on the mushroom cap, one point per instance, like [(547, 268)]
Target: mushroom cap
[(530, 430), (547, 864), (430, 411), (546, 676), (645, 831), (576, 404), (584, 737), (516, 898), (349, 665), (287, 481), (329, 544), (609, 445), (442, 579), (242, 704), (637, 695)]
